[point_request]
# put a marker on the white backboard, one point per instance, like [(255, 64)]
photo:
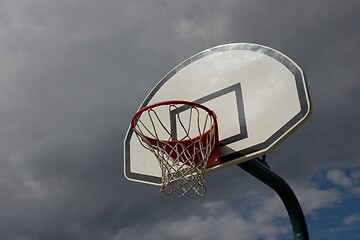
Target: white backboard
[(258, 94)]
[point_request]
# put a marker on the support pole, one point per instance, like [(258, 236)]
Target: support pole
[(292, 205)]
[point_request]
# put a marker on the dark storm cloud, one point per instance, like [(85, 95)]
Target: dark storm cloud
[(62, 87), (71, 79), (73, 73), (325, 49)]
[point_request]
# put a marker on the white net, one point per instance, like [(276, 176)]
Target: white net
[(182, 137)]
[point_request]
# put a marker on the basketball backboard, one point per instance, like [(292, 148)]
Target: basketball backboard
[(259, 96)]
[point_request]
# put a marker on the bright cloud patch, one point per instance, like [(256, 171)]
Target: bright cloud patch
[(312, 199), (352, 219), (260, 216), (224, 226), (223, 222), (339, 178)]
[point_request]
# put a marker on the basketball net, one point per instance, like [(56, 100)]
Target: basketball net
[(182, 136)]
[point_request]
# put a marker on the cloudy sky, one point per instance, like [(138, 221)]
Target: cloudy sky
[(72, 73)]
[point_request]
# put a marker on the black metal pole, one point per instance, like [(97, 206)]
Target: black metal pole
[(292, 205)]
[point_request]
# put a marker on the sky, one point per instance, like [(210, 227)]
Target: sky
[(72, 74)]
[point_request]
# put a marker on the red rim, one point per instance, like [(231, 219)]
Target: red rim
[(212, 114), (215, 154)]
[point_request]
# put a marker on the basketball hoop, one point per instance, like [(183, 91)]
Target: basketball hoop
[(184, 138)]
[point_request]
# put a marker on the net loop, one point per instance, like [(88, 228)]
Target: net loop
[(183, 136)]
